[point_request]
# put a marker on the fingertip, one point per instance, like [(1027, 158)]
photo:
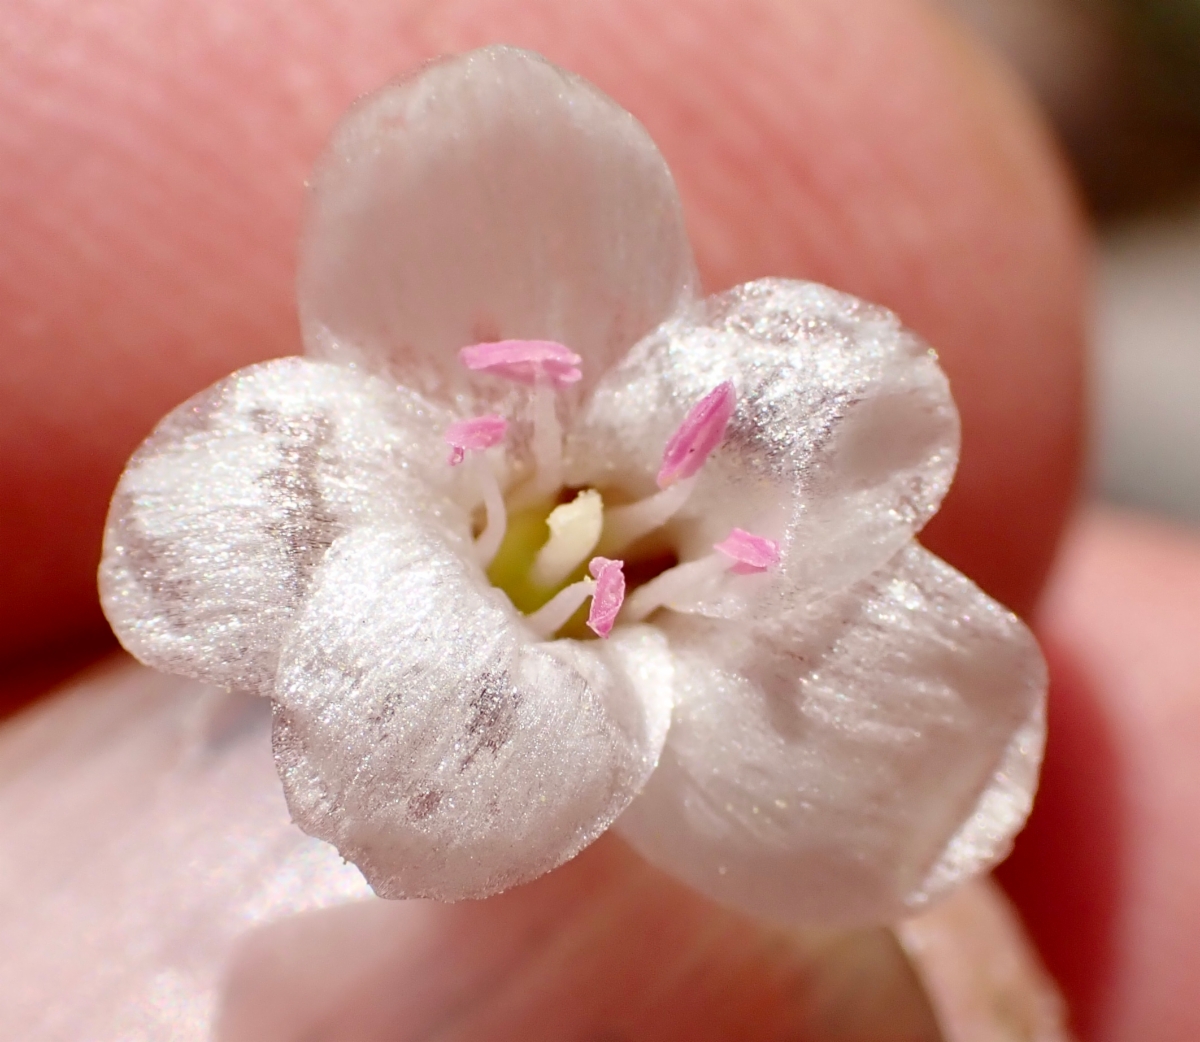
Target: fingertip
[(1106, 873), (152, 185)]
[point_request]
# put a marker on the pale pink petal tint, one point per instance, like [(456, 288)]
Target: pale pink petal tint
[(475, 433), (525, 361), (701, 432), (751, 553), (609, 595)]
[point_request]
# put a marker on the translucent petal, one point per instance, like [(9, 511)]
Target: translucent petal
[(844, 766), (154, 889), (998, 816), (842, 444), (422, 729), (491, 196), (225, 512)]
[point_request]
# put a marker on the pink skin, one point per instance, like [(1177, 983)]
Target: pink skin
[(475, 433), (751, 553), (608, 596), (1011, 340), (763, 199), (699, 434), (527, 362)]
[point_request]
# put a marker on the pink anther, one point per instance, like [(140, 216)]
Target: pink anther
[(608, 596), (750, 553), (701, 432), (478, 432), (525, 361)]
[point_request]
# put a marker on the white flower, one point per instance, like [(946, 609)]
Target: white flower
[(797, 709)]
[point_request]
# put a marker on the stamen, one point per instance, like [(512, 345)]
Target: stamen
[(556, 612), (475, 433), (608, 596), (750, 553), (701, 432), (740, 553), (547, 445), (497, 516), (626, 524), (528, 362), (607, 590), (545, 366), (574, 531), (675, 588)]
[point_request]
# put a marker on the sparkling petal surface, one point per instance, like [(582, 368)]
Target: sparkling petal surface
[(226, 511), (846, 765), (422, 728), (154, 889), (842, 443), (491, 196)]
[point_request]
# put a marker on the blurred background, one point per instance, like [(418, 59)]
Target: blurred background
[(1120, 80)]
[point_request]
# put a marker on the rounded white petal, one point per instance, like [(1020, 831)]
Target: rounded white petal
[(225, 512), (998, 816), (489, 196), (844, 767), (422, 728), (843, 440)]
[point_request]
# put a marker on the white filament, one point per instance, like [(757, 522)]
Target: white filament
[(677, 587), (547, 443), (496, 523), (554, 614), (627, 524)]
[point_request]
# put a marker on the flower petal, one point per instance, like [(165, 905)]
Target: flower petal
[(491, 196), (225, 512), (842, 443), (422, 729), (842, 768)]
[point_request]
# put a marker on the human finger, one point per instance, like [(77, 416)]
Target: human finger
[(1106, 872), (868, 149), (151, 177)]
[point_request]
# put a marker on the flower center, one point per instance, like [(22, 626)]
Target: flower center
[(528, 535), (549, 548)]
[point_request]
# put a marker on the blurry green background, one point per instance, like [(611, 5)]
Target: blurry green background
[(1120, 80)]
